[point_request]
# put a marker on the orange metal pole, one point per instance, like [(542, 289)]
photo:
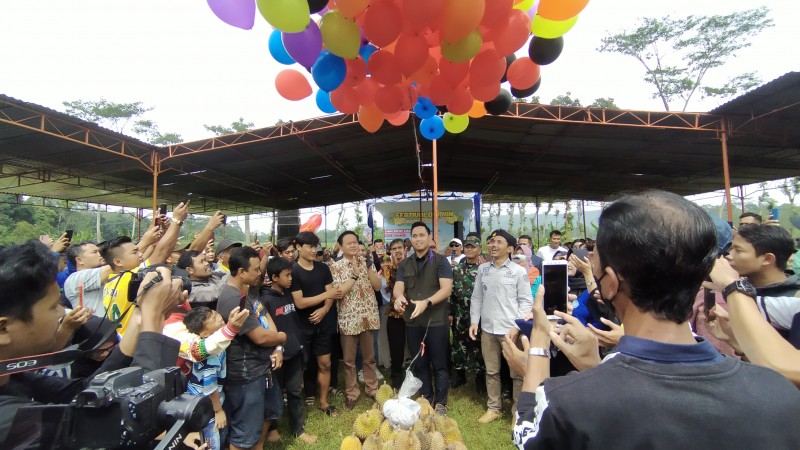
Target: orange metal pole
[(156, 169), (725, 169), (435, 197)]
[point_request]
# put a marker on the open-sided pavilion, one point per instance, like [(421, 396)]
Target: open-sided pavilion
[(531, 152)]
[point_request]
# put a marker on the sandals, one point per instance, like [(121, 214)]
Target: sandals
[(349, 404), (330, 411)]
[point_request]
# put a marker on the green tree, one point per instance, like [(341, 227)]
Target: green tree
[(565, 100), (111, 115), (677, 54), (149, 131), (791, 188), (240, 126), (603, 102)]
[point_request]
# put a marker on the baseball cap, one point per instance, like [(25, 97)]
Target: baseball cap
[(226, 244), (456, 240), (473, 241)]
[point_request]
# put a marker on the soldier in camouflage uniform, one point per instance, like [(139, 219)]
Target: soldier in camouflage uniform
[(466, 354)]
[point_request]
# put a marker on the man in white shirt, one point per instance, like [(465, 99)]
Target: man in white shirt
[(456, 251), (547, 252), (85, 286)]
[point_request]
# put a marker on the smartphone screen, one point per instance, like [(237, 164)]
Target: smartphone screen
[(188, 198), (554, 278), (163, 209), (710, 299)]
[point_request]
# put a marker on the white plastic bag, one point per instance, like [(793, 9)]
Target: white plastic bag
[(404, 412)]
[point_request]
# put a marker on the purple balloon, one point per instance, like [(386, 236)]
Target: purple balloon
[(304, 47), (237, 13)]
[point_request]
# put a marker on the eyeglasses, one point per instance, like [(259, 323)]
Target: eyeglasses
[(454, 244)]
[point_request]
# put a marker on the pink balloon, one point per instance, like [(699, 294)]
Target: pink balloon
[(237, 13)]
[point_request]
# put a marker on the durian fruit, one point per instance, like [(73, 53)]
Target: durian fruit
[(385, 392), (375, 412), (456, 446), (365, 424), (350, 443), (386, 432), (451, 435), (424, 440), (419, 427), (427, 409), (388, 445), (436, 441), (442, 423), (406, 440), (372, 443)]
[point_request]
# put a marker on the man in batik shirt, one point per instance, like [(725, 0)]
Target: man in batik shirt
[(466, 352)]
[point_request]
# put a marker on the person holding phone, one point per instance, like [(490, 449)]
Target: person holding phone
[(501, 295)]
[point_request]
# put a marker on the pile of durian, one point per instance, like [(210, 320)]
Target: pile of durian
[(371, 431)]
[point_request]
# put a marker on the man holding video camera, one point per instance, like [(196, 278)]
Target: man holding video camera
[(29, 317)]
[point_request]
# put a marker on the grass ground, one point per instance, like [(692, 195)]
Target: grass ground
[(465, 406)]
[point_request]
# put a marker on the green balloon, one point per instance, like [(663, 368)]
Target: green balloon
[(289, 16), (455, 124), (340, 35), (464, 49)]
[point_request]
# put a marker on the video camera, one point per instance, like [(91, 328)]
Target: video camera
[(138, 277)]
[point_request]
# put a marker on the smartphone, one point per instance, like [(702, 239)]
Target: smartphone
[(242, 302), (224, 219), (710, 300), (775, 213), (188, 198), (69, 234), (525, 326), (581, 253), (163, 210), (554, 278)]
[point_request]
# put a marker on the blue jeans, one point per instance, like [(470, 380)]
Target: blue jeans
[(211, 436), (247, 407)]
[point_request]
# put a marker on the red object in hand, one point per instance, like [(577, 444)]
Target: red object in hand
[(312, 224)]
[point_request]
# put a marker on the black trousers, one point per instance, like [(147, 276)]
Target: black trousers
[(310, 374), (437, 354), (290, 377), (396, 331)]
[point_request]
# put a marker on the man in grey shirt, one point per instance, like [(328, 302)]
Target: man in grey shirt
[(85, 286), (502, 294)]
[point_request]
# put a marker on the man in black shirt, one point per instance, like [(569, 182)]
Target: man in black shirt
[(254, 352), (313, 295)]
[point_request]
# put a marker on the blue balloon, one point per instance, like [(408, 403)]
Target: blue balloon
[(329, 71), (324, 102), (367, 51), (424, 108), (277, 50), (432, 127)]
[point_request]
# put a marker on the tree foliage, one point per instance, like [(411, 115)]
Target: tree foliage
[(677, 54), (116, 116), (565, 100), (603, 102), (240, 126)]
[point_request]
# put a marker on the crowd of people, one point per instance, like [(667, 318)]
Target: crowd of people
[(670, 314)]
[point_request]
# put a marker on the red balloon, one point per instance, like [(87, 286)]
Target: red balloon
[(381, 24), (487, 68), (389, 98), (410, 96), (460, 18), (356, 71), (440, 90), (484, 93), (454, 73), (345, 99), (312, 224), (426, 72), (292, 85), (411, 52), (512, 35), (384, 68), (399, 118), (461, 102), (422, 13), (366, 91), (522, 73), (496, 12)]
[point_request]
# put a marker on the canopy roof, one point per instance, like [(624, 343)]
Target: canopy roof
[(531, 152)]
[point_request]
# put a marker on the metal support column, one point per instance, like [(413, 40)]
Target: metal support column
[(435, 216), (725, 169)]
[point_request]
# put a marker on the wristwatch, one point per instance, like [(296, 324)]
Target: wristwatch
[(430, 303), (179, 222), (354, 278), (538, 351), (279, 348), (742, 286)]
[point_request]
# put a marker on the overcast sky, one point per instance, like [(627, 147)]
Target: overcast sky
[(176, 56)]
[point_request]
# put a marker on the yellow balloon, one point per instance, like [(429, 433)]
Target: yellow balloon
[(290, 16), (340, 35), (524, 5), (455, 124), (478, 109), (464, 49), (551, 29)]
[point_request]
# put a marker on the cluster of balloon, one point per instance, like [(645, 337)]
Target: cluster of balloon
[(382, 59)]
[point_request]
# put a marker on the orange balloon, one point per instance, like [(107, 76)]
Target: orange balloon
[(485, 93), (559, 10), (366, 91), (522, 73), (426, 72), (460, 103), (486, 68), (389, 98), (292, 85), (454, 73), (513, 33), (383, 67), (370, 117), (351, 8), (410, 96), (381, 24), (345, 99), (356, 71), (496, 12), (422, 13), (460, 18), (398, 118), (478, 110), (411, 52), (440, 90)]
